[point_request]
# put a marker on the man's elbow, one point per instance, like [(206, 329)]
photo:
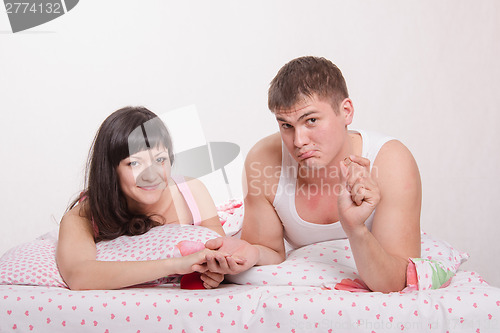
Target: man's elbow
[(389, 287), (396, 282)]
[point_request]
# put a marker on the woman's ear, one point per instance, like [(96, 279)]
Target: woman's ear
[(347, 110)]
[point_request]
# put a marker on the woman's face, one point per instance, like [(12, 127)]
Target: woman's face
[(143, 176)]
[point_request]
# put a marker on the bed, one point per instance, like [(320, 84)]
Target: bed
[(303, 294)]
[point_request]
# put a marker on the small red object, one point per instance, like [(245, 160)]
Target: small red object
[(192, 281)]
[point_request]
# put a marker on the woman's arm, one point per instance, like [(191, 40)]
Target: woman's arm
[(76, 259)]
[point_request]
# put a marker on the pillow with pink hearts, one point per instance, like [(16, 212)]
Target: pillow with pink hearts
[(31, 263), (34, 263), (231, 217), (326, 264)]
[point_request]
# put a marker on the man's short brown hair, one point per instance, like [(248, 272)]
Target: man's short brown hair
[(306, 77)]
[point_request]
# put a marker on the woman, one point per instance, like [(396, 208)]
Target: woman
[(129, 190)]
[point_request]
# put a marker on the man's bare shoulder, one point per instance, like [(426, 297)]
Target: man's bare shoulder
[(393, 151), (266, 152), (263, 168), (395, 164)]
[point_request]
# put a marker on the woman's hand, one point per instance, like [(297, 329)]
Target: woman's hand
[(359, 193), (233, 256), (184, 265)]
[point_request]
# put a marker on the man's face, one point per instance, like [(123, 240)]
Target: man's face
[(313, 132)]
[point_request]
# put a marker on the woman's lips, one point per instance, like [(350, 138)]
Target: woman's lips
[(149, 187)]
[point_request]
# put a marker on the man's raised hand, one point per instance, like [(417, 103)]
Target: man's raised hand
[(359, 194)]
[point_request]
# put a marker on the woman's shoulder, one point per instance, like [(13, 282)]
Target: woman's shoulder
[(196, 186), (77, 216)]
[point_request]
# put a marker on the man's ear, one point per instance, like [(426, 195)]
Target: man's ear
[(347, 110)]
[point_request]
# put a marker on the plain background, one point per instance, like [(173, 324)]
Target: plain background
[(423, 71)]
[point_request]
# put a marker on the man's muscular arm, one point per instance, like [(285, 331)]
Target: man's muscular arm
[(394, 188), (262, 234)]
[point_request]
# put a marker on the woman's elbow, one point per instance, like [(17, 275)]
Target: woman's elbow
[(78, 284), (75, 279), (75, 282)]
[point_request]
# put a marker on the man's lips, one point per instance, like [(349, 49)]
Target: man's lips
[(306, 154)]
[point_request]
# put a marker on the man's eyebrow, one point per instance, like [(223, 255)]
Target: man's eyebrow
[(307, 114), (278, 118)]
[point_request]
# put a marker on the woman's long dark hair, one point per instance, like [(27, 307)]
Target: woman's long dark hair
[(124, 133)]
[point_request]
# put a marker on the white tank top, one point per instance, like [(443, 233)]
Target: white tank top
[(298, 232)]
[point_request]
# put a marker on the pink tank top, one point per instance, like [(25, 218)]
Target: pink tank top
[(180, 181)]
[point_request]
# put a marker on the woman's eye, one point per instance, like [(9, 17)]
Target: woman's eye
[(161, 160), (133, 163)]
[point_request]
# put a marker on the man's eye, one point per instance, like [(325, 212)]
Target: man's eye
[(311, 120), (161, 160), (285, 126)]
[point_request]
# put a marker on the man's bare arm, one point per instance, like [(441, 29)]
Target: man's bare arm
[(381, 255), (262, 234)]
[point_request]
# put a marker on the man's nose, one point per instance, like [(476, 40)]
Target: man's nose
[(300, 137)]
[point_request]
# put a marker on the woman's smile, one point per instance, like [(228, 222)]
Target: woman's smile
[(149, 187)]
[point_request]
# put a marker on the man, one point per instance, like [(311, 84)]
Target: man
[(316, 181)]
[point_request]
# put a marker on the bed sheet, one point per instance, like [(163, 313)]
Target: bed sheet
[(468, 304)]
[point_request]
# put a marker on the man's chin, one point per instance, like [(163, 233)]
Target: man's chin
[(311, 163)]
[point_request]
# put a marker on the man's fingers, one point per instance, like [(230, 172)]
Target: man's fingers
[(356, 168), (218, 264), (358, 193), (364, 162), (222, 261), (238, 260), (234, 267), (214, 244), (211, 279), (213, 276), (213, 265)]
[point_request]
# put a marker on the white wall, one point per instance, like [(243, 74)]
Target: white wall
[(424, 71)]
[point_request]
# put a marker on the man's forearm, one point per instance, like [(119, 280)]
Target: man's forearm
[(379, 270), (268, 256)]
